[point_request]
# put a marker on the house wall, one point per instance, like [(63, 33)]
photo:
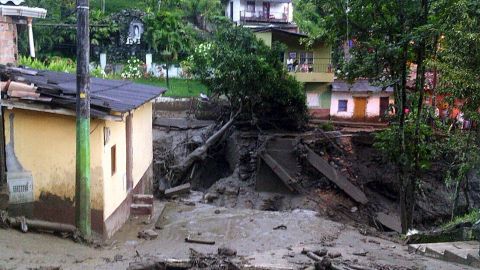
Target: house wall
[(142, 141), (117, 198), (372, 107), (275, 8), (8, 41), (318, 99), (236, 10), (266, 37), (43, 144), (115, 185)]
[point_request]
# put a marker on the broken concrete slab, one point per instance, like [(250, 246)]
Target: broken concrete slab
[(182, 189), (465, 252), (280, 171), (278, 161), (331, 173), (390, 221)]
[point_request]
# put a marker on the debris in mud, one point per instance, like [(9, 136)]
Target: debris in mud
[(182, 189), (324, 264), (280, 227), (147, 234), (362, 253), (334, 255), (225, 251), (189, 239)]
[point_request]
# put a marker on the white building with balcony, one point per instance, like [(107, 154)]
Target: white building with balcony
[(259, 13)]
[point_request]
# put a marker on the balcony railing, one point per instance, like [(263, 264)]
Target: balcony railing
[(315, 65), (261, 16)]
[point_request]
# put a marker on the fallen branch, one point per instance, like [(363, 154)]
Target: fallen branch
[(200, 153)]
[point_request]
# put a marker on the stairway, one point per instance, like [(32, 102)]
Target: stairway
[(457, 252), (142, 205)]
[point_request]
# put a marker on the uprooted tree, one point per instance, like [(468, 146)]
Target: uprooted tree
[(242, 70)]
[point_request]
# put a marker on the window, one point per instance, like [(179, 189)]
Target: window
[(113, 159), (250, 6), (342, 105), (306, 58)]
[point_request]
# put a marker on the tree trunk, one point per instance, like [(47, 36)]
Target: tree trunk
[(201, 152)]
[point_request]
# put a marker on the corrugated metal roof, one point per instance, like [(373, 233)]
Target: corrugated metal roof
[(358, 86), (106, 95), (15, 2)]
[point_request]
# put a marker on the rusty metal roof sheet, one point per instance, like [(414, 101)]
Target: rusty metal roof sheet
[(108, 96)]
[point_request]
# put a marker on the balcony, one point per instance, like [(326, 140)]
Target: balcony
[(313, 70), (263, 17)]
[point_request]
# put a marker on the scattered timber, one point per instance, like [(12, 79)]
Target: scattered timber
[(199, 241), (182, 189), (331, 173)]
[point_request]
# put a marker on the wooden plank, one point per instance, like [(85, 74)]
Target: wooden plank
[(158, 224), (185, 188), (286, 178), (341, 181)]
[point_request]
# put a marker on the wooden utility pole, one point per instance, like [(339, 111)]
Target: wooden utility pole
[(82, 184)]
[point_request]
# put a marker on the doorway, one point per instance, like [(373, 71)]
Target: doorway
[(231, 11), (266, 10), (360, 107), (384, 102)]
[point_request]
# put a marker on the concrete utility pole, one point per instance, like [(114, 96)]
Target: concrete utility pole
[(82, 184)]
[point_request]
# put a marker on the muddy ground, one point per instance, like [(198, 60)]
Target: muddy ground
[(263, 240)]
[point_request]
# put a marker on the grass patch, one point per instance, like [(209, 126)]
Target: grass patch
[(472, 217), (178, 87)]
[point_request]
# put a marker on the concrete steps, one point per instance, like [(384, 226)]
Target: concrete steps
[(142, 205), (457, 252)]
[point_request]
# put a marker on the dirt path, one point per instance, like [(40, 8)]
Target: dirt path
[(250, 232)]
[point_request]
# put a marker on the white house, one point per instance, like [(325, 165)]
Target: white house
[(260, 13), (359, 101)]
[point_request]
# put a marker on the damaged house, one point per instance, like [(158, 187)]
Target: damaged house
[(40, 136)]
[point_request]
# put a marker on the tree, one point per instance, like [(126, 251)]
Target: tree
[(234, 64), (383, 38), (168, 34), (458, 62)]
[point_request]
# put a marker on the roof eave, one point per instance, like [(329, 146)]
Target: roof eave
[(23, 11)]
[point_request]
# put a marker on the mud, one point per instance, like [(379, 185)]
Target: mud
[(250, 232)]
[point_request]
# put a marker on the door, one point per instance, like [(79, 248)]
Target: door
[(360, 107), (384, 102), (266, 10), (231, 11)]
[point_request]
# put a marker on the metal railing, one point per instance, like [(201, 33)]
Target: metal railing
[(319, 65), (261, 16)]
